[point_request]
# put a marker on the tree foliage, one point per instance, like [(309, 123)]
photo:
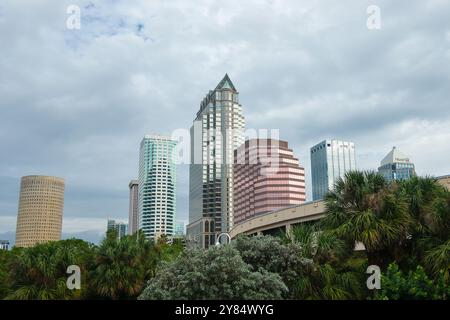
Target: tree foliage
[(115, 269), (216, 273), (404, 226), (122, 266), (364, 208), (413, 285), (270, 254), (40, 272)]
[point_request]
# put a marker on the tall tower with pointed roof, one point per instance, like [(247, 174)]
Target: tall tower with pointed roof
[(396, 166), (217, 130)]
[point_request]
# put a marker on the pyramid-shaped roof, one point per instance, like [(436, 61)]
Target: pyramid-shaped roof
[(226, 83), (395, 156)]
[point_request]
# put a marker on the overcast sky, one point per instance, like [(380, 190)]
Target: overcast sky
[(76, 103)]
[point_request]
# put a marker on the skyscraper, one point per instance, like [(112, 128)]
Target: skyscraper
[(120, 227), (40, 215), (4, 245), (157, 186), (330, 160), (267, 177), (133, 210), (217, 130), (396, 166), (179, 229)]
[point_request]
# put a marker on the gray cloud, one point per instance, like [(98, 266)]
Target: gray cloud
[(76, 103)]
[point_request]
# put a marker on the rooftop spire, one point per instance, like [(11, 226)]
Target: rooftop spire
[(395, 156), (226, 83)]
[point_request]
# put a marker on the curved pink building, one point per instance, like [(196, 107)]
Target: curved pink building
[(267, 177)]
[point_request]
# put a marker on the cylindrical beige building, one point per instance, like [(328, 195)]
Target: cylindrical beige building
[(40, 215)]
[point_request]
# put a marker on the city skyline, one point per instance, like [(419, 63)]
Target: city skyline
[(375, 88)]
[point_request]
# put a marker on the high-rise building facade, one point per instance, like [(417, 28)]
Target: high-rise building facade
[(267, 177), (157, 186), (41, 203), (396, 166), (179, 229), (4, 245), (217, 131), (133, 210), (330, 160), (120, 227)]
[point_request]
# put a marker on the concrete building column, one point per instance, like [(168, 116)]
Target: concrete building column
[(288, 230)]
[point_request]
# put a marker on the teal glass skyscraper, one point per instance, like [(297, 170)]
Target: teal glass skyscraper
[(157, 186)]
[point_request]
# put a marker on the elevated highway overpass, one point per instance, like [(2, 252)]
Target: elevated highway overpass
[(282, 219)]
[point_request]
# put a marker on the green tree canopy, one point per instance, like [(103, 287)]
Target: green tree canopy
[(40, 272), (271, 254), (363, 207), (122, 266), (413, 285), (216, 273)]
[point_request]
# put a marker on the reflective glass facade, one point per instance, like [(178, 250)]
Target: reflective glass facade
[(157, 186), (330, 160), (120, 227), (396, 166), (267, 177), (397, 171), (217, 131)]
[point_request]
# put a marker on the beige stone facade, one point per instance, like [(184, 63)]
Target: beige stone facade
[(445, 181), (40, 214)]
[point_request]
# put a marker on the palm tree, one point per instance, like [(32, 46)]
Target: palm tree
[(429, 207), (363, 207), (316, 244), (325, 282), (123, 266), (39, 273), (327, 276)]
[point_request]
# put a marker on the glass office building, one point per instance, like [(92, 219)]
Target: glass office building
[(157, 186), (120, 227), (330, 160), (217, 131), (179, 229), (267, 177), (396, 166)]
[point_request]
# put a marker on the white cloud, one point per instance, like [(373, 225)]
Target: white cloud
[(70, 224), (76, 103), (76, 225), (7, 223)]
